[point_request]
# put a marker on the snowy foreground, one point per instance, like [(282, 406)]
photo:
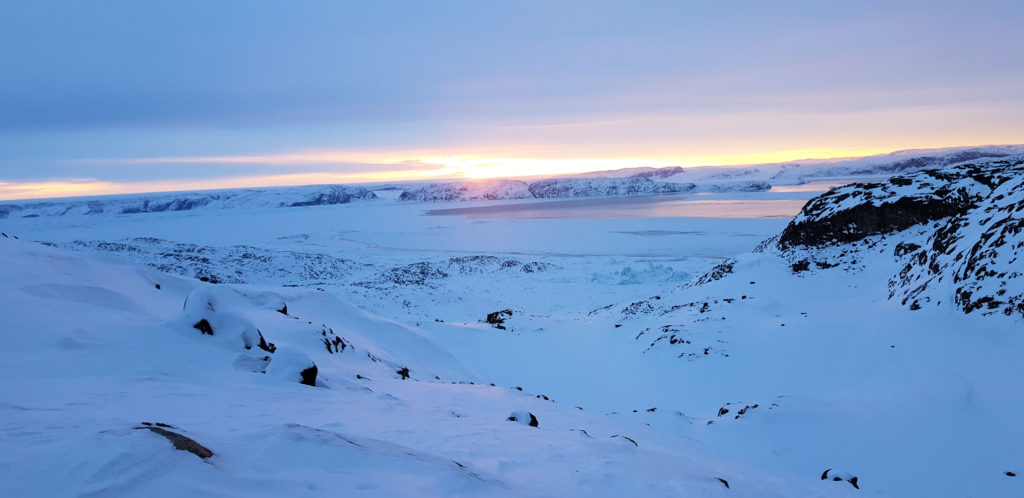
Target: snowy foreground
[(872, 346)]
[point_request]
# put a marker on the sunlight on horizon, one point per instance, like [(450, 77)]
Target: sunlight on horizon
[(387, 167)]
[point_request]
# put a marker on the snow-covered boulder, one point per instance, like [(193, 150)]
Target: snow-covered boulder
[(523, 417), (205, 312), (294, 366)]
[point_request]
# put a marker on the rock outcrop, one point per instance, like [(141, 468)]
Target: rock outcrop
[(966, 242)]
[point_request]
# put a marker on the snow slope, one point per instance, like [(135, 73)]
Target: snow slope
[(880, 335), (392, 414)]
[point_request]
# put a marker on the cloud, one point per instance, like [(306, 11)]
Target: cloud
[(56, 188)]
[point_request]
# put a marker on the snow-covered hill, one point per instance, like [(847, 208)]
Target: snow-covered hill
[(554, 188), (146, 384), (468, 191), (958, 230), (316, 195), (880, 330)]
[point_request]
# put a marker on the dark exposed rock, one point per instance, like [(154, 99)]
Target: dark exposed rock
[(309, 376), (404, 372), (204, 327), (283, 310), (723, 481), (497, 318), (904, 248), (332, 342), (627, 438), (179, 441), (719, 272), (863, 220), (853, 212), (264, 345)]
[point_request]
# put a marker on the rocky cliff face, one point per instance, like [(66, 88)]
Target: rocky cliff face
[(976, 254), (959, 229), (853, 212)]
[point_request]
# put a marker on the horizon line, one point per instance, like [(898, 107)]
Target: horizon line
[(447, 169)]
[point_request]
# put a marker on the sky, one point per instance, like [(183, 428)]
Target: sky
[(125, 96)]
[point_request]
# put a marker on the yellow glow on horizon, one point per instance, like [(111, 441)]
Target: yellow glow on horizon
[(389, 166), (90, 187), (56, 188)]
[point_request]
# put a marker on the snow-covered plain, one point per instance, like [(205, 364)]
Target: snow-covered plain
[(659, 355)]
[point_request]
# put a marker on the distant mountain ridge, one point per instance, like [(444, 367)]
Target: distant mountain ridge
[(187, 201), (623, 182), (552, 188)]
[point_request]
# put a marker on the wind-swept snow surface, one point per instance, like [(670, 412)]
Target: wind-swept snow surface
[(99, 354)]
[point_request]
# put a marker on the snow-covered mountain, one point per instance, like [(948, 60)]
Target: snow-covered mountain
[(623, 182), (469, 190), (554, 188), (188, 201), (604, 187)]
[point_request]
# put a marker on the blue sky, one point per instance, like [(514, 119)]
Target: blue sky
[(110, 96)]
